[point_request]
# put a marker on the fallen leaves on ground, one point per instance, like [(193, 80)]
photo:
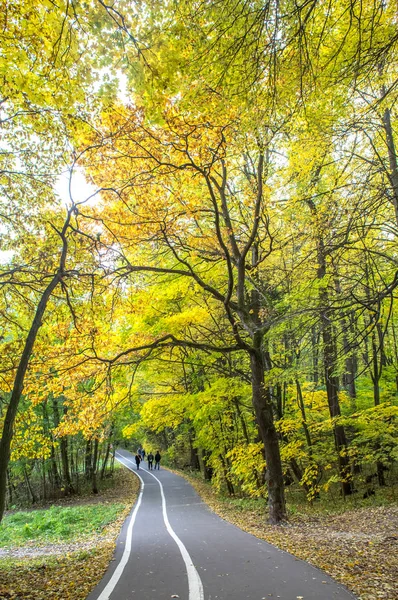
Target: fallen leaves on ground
[(359, 548), (73, 574)]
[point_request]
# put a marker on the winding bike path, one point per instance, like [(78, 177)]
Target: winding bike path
[(173, 546)]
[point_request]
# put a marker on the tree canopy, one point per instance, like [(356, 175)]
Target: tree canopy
[(225, 289)]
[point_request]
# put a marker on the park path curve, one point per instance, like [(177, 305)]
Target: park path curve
[(173, 546)]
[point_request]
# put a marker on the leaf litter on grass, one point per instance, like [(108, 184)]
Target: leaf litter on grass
[(69, 570)]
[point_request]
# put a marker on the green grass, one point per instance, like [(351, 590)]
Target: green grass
[(56, 523)]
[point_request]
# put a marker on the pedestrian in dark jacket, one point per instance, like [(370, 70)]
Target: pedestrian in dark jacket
[(157, 460), (137, 460), (150, 461)]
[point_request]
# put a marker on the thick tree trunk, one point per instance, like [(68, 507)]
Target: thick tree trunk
[(265, 420), (8, 427)]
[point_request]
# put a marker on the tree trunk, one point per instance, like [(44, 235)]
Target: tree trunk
[(54, 470), (263, 410), (113, 459), (94, 468), (44, 480), (303, 417), (63, 445), (298, 474), (105, 462), (351, 366), (375, 373), (392, 158), (330, 364), (315, 353), (225, 469), (242, 420), (8, 427), (332, 389), (29, 487), (194, 455), (10, 494), (207, 471), (380, 473), (349, 376), (65, 466), (88, 460)]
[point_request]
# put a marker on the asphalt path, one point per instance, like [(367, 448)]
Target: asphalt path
[(173, 546)]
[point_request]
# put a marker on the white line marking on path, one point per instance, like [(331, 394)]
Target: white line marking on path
[(195, 585), (110, 586)]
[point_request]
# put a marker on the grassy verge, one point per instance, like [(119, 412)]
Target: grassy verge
[(358, 546), (56, 524), (83, 538)]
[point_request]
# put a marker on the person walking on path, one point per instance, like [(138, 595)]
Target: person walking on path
[(150, 461), (143, 453), (137, 460), (157, 460)]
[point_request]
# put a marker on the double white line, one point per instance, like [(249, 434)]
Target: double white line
[(195, 585)]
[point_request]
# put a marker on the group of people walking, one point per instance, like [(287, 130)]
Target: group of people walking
[(140, 456)]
